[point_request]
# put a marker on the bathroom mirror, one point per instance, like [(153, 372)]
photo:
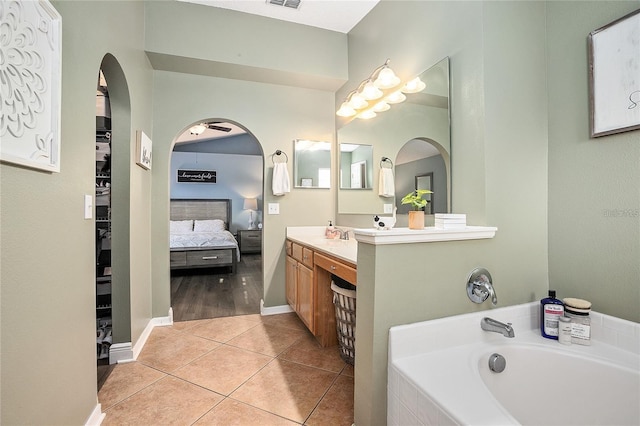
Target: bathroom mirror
[(423, 117), (312, 164), (356, 166)]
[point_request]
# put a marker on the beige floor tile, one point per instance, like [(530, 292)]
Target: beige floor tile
[(168, 349), (348, 370), (285, 388), (308, 351), (223, 369), (125, 380), (267, 340), (168, 401), (185, 325), (288, 320), (336, 408), (234, 413), (222, 329)]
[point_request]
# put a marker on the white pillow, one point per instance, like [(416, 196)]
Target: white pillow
[(212, 225), (180, 226)]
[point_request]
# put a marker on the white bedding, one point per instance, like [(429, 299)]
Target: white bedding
[(203, 239)]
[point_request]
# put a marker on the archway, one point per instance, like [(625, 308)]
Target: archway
[(216, 159)]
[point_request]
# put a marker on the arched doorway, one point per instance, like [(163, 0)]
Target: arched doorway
[(217, 159), (117, 212)]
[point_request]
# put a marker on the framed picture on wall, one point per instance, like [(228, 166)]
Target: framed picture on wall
[(30, 71), (614, 85), (143, 150)]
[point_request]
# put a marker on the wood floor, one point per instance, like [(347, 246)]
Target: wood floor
[(215, 292)]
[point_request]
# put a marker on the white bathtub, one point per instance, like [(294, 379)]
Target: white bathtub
[(439, 374)]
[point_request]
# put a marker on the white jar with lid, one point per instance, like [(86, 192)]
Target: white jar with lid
[(578, 311), (564, 330)]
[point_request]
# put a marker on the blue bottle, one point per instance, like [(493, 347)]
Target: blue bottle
[(551, 309)]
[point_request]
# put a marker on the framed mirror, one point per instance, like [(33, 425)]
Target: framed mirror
[(311, 164), (423, 117), (356, 166)]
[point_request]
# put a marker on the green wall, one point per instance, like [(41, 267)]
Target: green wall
[(47, 274), (594, 184)]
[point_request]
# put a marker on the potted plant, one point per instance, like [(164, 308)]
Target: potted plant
[(417, 203)]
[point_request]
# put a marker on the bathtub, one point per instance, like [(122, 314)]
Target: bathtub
[(438, 373)]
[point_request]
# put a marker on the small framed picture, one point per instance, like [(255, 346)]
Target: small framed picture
[(306, 182), (143, 150), (614, 86)]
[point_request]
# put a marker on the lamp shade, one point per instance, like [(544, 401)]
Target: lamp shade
[(250, 204)]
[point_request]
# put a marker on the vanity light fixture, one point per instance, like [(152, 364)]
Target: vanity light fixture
[(374, 94)]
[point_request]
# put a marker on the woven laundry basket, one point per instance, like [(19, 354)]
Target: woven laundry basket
[(344, 301)]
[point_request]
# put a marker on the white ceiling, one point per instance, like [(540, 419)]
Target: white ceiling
[(335, 15)]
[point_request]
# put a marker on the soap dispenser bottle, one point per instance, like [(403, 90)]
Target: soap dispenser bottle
[(551, 309), (328, 233)]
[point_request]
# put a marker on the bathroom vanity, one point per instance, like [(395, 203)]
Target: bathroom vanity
[(311, 260)]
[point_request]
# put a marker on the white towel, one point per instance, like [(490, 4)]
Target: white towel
[(280, 181), (386, 185)]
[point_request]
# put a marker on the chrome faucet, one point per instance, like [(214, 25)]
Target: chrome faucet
[(489, 324), (344, 233)]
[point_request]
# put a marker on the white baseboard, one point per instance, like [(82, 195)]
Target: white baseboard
[(125, 352), (96, 417), (274, 310)]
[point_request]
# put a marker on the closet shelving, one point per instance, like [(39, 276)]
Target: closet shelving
[(103, 221)]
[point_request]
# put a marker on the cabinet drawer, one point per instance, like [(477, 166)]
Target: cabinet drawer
[(177, 258), (210, 257), (302, 254), (340, 269)]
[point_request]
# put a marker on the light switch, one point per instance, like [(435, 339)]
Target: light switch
[(388, 208), (88, 206), (274, 208)]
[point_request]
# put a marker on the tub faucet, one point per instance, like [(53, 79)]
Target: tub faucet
[(489, 324)]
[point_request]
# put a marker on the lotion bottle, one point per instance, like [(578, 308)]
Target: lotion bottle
[(551, 309), (328, 233)]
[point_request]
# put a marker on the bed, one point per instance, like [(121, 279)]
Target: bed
[(199, 234)]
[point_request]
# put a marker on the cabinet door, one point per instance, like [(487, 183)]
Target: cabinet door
[(291, 281), (305, 296)]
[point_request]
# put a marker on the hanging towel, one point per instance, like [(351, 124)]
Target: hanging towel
[(280, 182), (386, 185)]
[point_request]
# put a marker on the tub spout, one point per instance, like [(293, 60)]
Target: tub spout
[(489, 324)]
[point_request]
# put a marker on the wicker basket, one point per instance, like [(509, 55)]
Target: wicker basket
[(345, 303)]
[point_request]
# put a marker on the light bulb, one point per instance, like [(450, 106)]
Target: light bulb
[(414, 86), (395, 98), (346, 110), (371, 92), (386, 79)]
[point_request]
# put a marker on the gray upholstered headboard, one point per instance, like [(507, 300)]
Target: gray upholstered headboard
[(201, 210)]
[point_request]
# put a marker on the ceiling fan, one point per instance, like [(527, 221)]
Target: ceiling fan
[(199, 128)]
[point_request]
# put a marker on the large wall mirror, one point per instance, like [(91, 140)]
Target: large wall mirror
[(312, 164), (421, 121)]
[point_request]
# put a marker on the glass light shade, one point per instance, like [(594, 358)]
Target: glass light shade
[(357, 101), (395, 98), (386, 79), (414, 86), (370, 92), (381, 107), (365, 115), (197, 129), (346, 110)]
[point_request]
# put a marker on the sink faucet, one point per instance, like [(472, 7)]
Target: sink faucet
[(344, 233), (489, 324)]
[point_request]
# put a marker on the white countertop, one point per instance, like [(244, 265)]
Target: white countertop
[(429, 234), (313, 236)]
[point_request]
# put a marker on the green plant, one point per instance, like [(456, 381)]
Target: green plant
[(415, 198)]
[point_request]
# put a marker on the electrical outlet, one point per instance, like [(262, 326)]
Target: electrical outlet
[(88, 206), (274, 208), (388, 208)]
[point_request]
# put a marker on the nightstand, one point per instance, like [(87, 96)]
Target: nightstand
[(250, 240)]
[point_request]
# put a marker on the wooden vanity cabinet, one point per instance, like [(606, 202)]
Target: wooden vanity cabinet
[(299, 282), (308, 288)]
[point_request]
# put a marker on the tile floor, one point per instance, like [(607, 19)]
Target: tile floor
[(241, 370)]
